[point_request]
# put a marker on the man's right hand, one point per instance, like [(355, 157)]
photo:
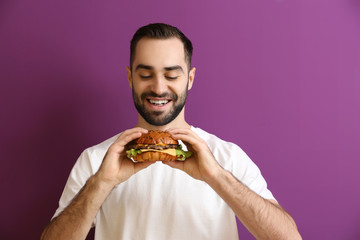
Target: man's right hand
[(116, 166), (76, 219)]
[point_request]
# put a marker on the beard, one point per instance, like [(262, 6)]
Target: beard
[(159, 118)]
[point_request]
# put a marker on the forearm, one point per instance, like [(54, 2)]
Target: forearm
[(264, 219), (76, 220)]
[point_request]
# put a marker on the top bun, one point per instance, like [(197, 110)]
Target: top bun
[(156, 137)]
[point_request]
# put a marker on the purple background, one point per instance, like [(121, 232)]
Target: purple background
[(279, 78)]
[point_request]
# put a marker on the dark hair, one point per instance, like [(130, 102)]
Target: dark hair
[(161, 31)]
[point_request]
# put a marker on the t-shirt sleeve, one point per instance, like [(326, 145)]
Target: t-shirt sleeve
[(79, 174), (246, 171)]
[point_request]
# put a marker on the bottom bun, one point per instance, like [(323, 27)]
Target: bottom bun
[(154, 156)]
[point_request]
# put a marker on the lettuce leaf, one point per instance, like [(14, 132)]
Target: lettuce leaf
[(181, 154), (132, 153)]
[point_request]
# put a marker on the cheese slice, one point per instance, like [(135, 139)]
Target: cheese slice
[(170, 151)]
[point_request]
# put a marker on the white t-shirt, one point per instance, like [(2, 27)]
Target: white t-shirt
[(160, 202)]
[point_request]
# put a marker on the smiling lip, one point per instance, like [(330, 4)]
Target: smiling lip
[(158, 103)]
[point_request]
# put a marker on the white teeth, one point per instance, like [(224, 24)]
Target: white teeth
[(158, 102)]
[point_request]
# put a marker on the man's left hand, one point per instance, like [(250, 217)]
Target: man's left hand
[(202, 164)]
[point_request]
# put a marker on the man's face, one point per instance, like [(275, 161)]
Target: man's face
[(160, 80)]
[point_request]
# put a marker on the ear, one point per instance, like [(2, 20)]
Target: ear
[(128, 73), (191, 77)]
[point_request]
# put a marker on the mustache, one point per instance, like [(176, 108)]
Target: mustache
[(152, 94)]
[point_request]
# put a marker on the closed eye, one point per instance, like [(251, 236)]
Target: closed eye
[(145, 76), (171, 78)]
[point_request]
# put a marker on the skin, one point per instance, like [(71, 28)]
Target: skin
[(160, 67), (160, 56)]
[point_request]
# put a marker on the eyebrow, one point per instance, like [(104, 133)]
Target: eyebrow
[(171, 68), (142, 66), (176, 67)]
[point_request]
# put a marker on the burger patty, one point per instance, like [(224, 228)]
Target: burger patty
[(153, 146)]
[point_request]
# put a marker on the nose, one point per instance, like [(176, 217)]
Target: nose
[(159, 85)]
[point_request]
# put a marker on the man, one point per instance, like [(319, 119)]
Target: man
[(194, 199)]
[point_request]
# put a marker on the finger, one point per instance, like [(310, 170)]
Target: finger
[(176, 131), (120, 143), (129, 135), (126, 137), (188, 140), (134, 130), (188, 137)]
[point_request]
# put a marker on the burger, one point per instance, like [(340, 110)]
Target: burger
[(156, 145)]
